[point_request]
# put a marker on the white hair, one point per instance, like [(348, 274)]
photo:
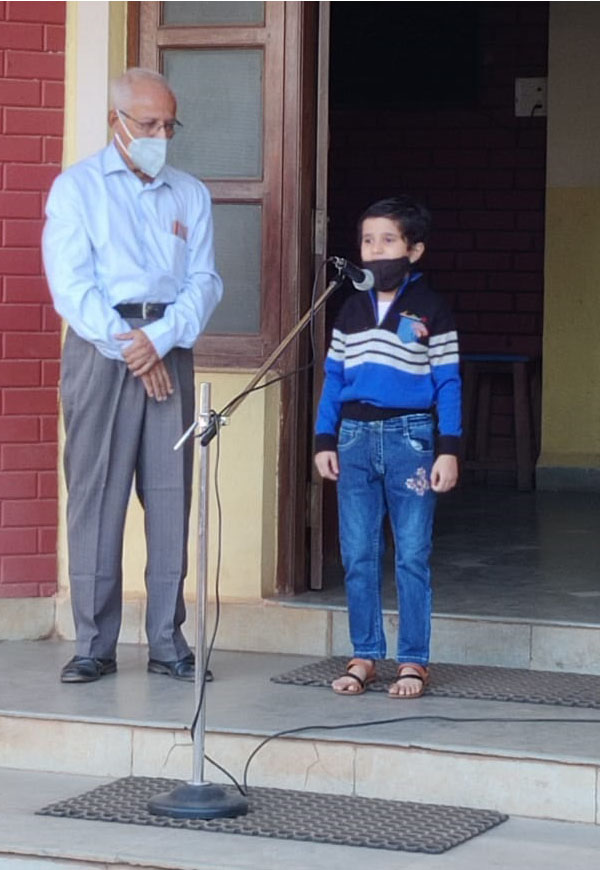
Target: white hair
[(121, 88)]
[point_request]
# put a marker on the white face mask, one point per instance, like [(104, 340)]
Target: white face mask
[(148, 153)]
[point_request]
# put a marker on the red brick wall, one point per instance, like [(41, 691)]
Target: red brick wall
[(482, 172), (32, 37)]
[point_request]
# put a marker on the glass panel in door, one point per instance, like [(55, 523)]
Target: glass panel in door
[(212, 14), (220, 104)]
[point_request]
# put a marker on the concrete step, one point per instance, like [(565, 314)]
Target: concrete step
[(287, 626), (292, 626), (458, 638), (30, 842), (135, 723)]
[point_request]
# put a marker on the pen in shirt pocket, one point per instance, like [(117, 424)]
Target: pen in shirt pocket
[(180, 230)]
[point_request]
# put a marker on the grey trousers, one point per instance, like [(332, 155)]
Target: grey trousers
[(113, 434)]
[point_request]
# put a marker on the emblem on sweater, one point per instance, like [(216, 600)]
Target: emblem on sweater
[(411, 327)]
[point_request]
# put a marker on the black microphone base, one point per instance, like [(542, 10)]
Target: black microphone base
[(205, 801)]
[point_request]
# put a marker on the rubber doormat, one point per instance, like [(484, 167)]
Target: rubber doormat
[(293, 815), (476, 682)]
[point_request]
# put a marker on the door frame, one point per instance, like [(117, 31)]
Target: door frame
[(299, 162), (315, 482)]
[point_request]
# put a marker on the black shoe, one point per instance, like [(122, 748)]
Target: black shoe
[(86, 669), (180, 669)]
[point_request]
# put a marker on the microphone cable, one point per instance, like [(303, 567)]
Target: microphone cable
[(400, 719), (243, 787), (210, 645), (246, 392), (548, 720), (215, 420)]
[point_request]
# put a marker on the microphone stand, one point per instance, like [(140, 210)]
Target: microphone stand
[(209, 433), (199, 799)]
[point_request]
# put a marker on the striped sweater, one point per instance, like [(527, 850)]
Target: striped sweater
[(407, 363)]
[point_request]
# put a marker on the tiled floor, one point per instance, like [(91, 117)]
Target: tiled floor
[(507, 554)]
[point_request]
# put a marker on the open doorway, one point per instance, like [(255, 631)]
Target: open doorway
[(425, 104)]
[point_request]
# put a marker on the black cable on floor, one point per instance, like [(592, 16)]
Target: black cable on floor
[(400, 719), (243, 789)]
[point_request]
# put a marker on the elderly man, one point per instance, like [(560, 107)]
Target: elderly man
[(128, 251)]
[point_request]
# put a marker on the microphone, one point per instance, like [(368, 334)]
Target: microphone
[(363, 279)]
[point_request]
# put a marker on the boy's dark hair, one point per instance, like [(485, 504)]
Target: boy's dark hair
[(411, 216)]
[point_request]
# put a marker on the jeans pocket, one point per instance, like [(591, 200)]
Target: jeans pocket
[(420, 435), (348, 436)]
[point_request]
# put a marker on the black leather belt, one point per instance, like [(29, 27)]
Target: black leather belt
[(145, 310)]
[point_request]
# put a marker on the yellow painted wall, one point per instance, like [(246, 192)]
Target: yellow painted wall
[(96, 52), (247, 475), (571, 373), (572, 314)]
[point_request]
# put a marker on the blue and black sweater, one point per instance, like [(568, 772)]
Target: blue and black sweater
[(407, 363)]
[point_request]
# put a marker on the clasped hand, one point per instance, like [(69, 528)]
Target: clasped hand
[(144, 362)]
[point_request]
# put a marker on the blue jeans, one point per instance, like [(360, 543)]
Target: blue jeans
[(385, 467)]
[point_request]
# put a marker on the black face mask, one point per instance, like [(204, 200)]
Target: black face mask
[(388, 274)]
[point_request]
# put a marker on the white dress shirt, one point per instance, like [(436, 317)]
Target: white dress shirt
[(109, 238)]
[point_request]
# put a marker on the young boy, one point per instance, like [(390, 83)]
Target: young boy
[(391, 370)]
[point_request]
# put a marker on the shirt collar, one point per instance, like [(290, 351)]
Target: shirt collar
[(112, 161)]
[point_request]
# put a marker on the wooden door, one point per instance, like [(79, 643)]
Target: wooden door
[(244, 74)]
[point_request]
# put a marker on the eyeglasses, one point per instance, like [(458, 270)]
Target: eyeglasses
[(153, 128)]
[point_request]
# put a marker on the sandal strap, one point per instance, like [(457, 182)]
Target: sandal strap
[(358, 679), (422, 672), (409, 677), (367, 664)]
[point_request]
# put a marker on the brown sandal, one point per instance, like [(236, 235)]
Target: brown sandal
[(362, 684), (422, 674)]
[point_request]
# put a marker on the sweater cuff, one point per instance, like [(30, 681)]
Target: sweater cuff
[(448, 444), (325, 442)]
